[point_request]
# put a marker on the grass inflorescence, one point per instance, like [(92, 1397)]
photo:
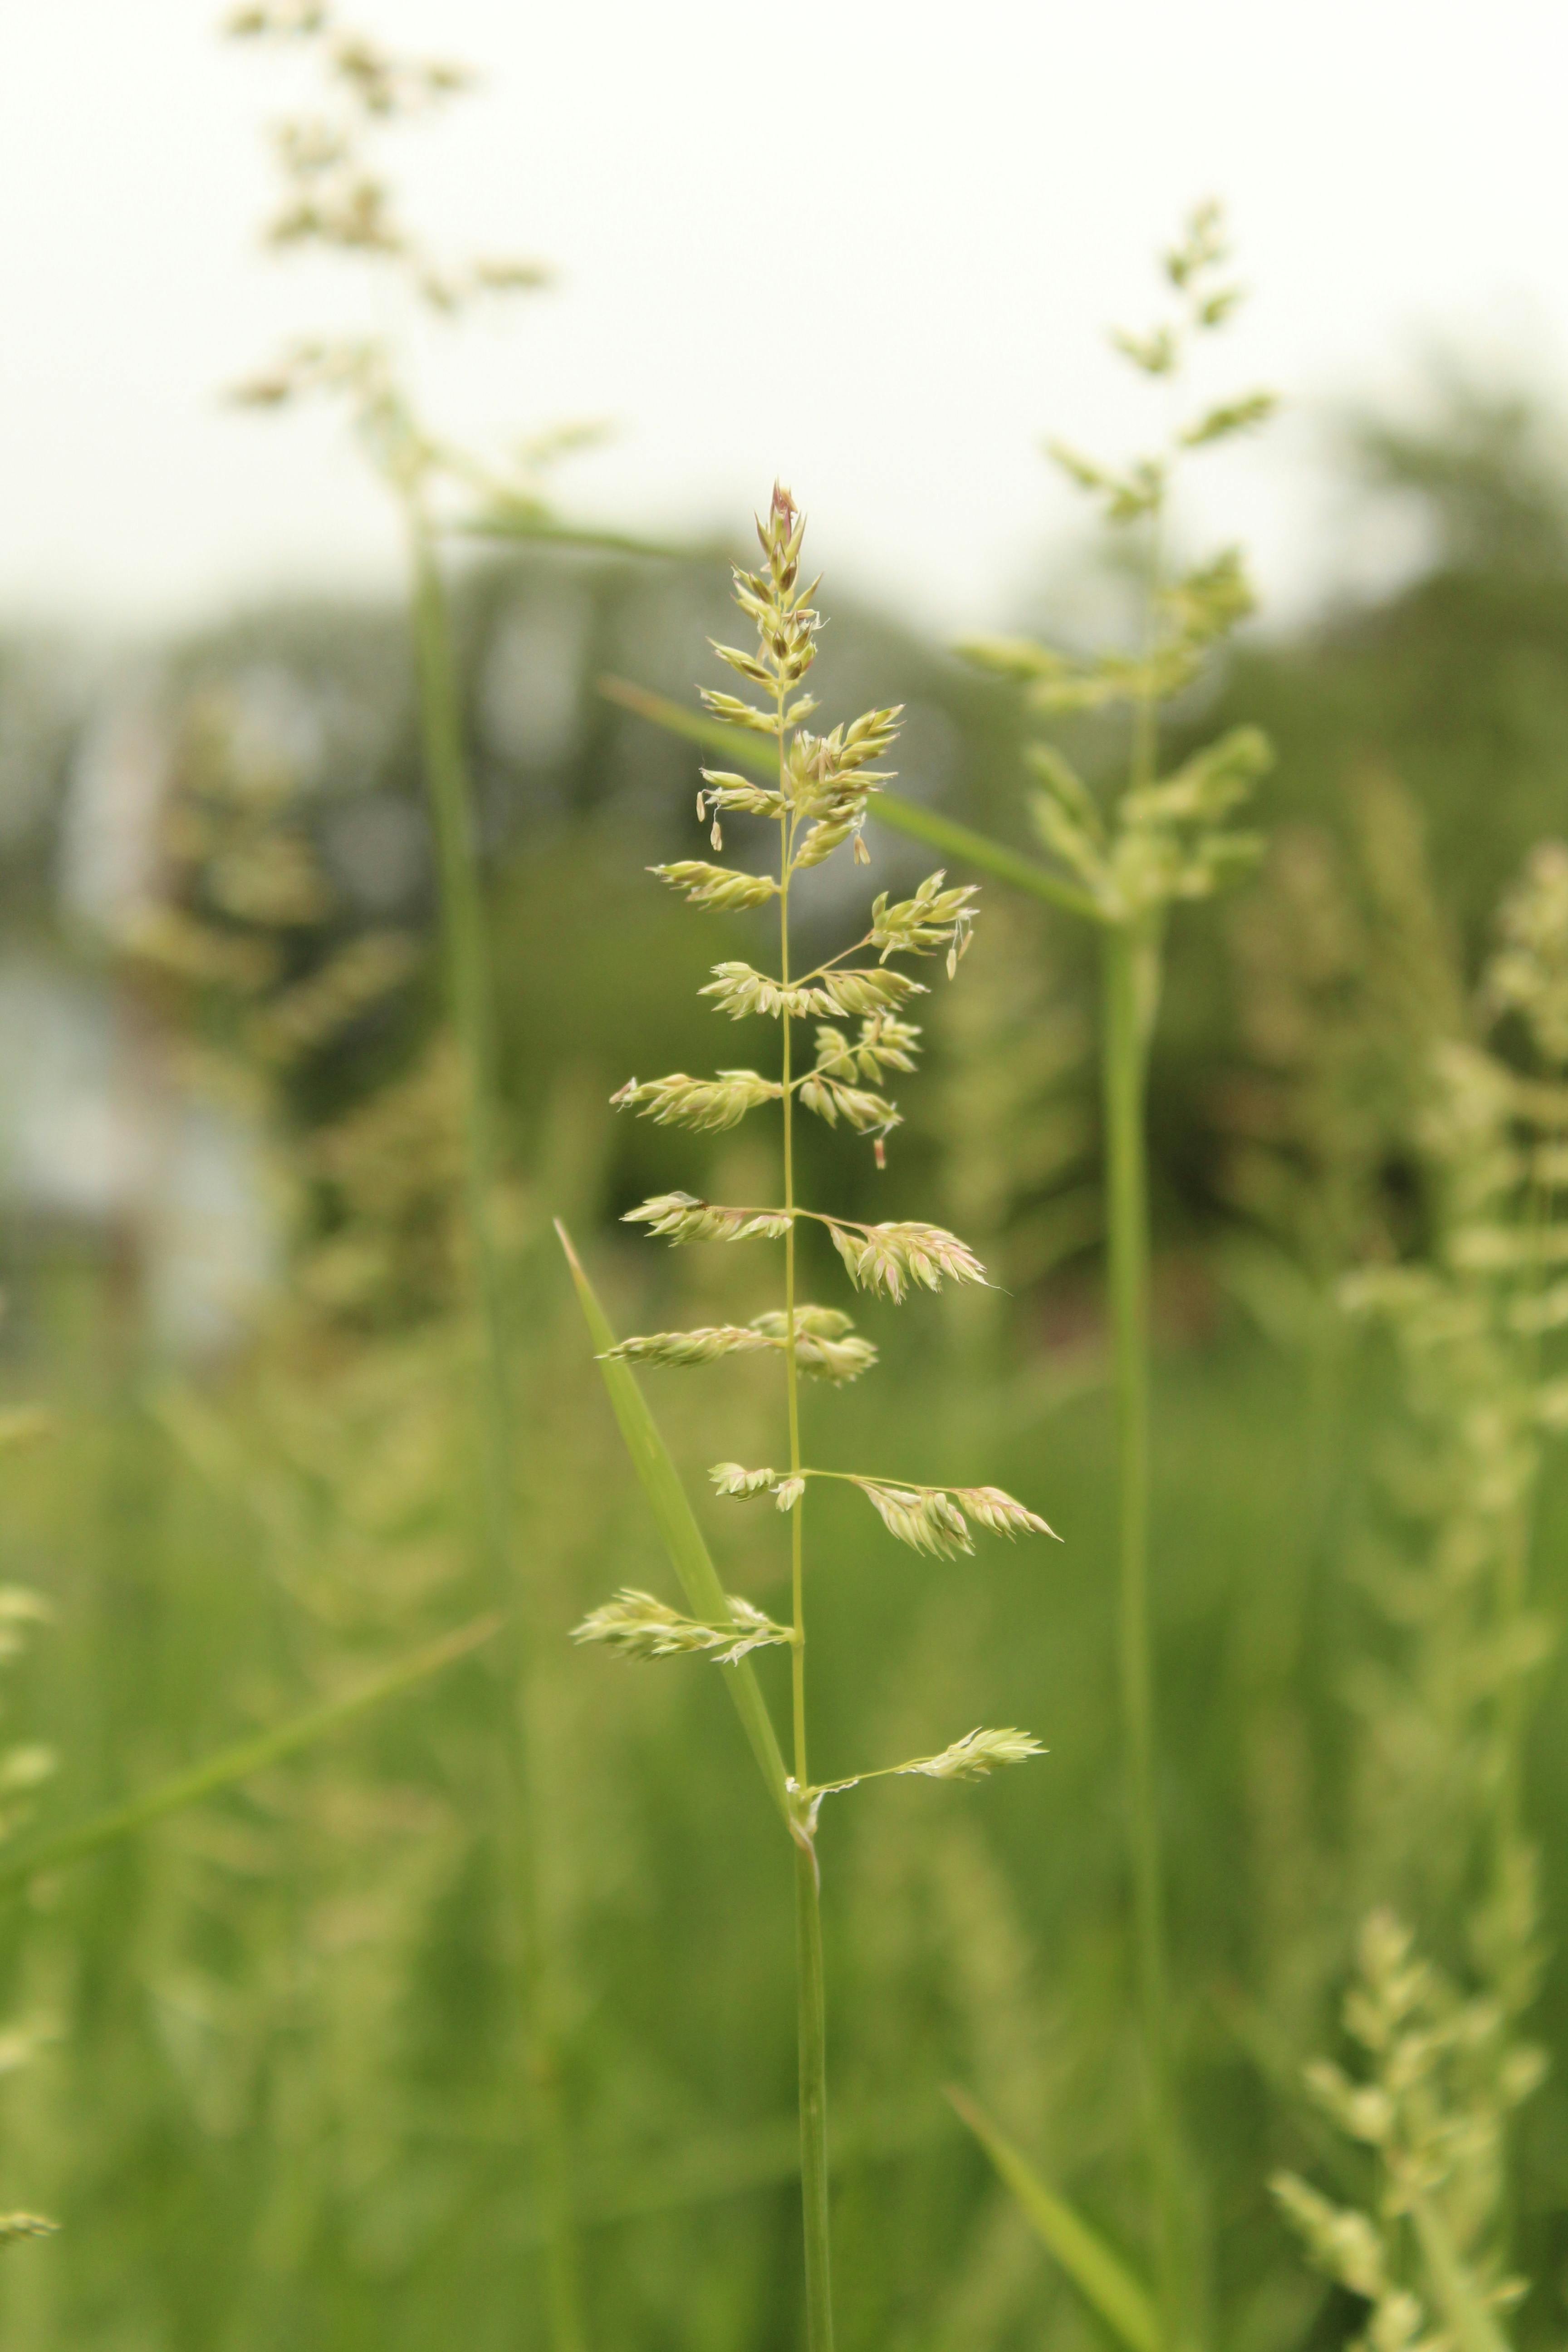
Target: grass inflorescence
[(823, 788)]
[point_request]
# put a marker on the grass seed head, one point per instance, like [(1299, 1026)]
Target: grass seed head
[(978, 1753), (640, 1626)]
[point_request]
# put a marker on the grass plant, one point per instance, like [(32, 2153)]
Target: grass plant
[(1450, 1962), (817, 798), (335, 198), (1164, 842)]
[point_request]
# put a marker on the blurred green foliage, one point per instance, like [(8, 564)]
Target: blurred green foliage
[(261, 2088)]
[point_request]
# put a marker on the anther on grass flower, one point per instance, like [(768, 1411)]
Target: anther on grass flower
[(825, 784), (640, 1626)]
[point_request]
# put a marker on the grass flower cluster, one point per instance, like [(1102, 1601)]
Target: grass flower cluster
[(1443, 1718), (1124, 866)]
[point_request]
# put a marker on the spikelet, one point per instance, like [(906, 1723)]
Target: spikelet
[(934, 919), (925, 1518), (832, 1100), (738, 990), (640, 1626), (936, 1519), (884, 1043), (730, 793), (975, 1757), (978, 1753), (677, 1349), (683, 1217), (705, 1103), (718, 887), (730, 1478), (889, 1257), (827, 1346), (1000, 1514)]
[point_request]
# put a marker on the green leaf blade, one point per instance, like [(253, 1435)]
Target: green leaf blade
[(240, 1763), (955, 840), (677, 1523), (1100, 2276)]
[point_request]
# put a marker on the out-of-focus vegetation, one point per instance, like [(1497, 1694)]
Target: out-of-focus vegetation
[(261, 2069)]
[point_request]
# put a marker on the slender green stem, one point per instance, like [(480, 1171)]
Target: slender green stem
[(232, 1765), (469, 1000), (811, 2006), (813, 2032), (1124, 1049)]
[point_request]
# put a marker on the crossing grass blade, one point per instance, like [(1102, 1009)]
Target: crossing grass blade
[(1101, 2276), (683, 1539), (941, 833), (237, 1763)]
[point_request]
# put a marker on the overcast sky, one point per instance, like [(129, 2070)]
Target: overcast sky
[(869, 246)]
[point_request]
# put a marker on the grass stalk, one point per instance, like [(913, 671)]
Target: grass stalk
[(813, 2031), (469, 1000), (811, 1998), (1125, 951)]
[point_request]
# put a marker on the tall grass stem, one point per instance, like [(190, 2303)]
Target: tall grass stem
[(813, 2031), (812, 2023), (1125, 951), (469, 990)]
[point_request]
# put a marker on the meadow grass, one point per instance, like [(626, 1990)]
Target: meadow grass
[(268, 2027)]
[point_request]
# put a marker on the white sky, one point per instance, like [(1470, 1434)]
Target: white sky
[(869, 244)]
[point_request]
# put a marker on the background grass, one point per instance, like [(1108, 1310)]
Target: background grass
[(263, 2095)]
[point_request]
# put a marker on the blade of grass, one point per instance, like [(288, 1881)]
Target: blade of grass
[(470, 1007), (891, 809), (1101, 2276), (677, 1523), (240, 1763)]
